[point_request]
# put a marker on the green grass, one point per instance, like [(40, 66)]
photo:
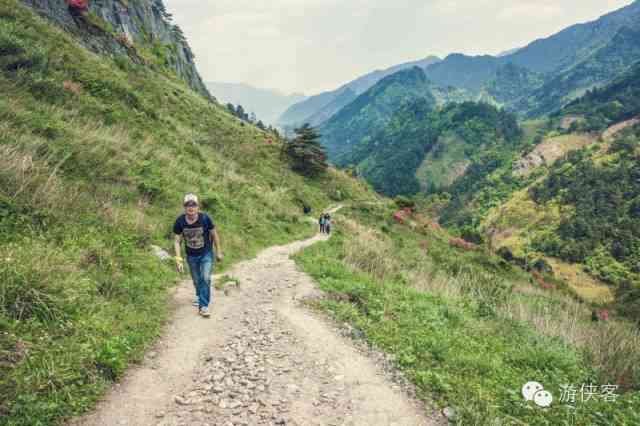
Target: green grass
[(95, 155), (443, 165), (445, 317)]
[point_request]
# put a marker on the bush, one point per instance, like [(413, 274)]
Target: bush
[(404, 202), (628, 300)]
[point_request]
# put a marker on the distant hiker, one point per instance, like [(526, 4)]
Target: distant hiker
[(199, 234), (327, 224), (321, 223)]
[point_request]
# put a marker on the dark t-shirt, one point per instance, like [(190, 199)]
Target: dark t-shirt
[(197, 240)]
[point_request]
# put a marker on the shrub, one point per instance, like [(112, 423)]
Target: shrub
[(404, 202)]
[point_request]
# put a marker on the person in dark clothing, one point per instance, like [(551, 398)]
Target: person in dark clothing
[(321, 223), (200, 235), (327, 224)]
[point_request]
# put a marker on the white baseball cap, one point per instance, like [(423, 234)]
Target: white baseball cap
[(190, 198)]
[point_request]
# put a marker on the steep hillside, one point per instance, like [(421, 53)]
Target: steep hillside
[(95, 155), (141, 30), (267, 104), (324, 105), (512, 83), (566, 201), (464, 72), (426, 149), (372, 110), (607, 106)]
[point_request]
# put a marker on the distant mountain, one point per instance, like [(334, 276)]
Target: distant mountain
[(266, 104), (299, 113), (321, 107), (554, 56), (344, 98), (508, 52), (373, 109), (561, 51), (604, 64), (535, 79)]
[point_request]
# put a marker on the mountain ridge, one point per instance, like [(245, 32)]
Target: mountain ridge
[(302, 112), (544, 59)]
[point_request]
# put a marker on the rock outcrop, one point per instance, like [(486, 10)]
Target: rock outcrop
[(119, 27)]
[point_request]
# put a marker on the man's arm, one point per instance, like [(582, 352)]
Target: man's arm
[(216, 242), (177, 242)]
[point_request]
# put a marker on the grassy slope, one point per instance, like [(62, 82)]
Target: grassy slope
[(467, 329), (443, 165), (90, 176)]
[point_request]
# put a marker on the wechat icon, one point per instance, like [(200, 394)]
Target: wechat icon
[(534, 391)]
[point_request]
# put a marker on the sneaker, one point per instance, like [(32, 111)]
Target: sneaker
[(205, 312), (196, 303)]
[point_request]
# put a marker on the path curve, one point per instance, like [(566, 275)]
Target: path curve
[(261, 359)]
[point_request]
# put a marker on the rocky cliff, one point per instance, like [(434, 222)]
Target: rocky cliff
[(140, 29)]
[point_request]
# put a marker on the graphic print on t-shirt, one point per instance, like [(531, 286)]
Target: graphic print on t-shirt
[(194, 237)]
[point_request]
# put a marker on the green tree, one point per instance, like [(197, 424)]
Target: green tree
[(241, 113), (307, 155)]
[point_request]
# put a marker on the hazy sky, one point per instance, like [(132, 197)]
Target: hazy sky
[(314, 45)]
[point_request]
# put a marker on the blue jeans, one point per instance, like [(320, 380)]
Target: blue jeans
[(200, 268)]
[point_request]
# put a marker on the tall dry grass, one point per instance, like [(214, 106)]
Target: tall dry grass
[(369, 251), (612, 347), (23, 177)]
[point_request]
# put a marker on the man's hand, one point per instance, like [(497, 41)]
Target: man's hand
[(219, 256), (179, 265)]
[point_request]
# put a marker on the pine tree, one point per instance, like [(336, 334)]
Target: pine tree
[(158, 6), (261, 125), (307, 155), (240, 113)]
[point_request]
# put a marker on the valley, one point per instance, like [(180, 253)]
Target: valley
[(485, 231)]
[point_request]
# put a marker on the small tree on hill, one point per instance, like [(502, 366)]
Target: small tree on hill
[(305, 152)]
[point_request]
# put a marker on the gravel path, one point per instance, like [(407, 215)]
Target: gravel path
[(261, 359)]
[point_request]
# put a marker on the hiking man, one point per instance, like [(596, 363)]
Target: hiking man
[(321, 222), (327, 224), (200, 235)]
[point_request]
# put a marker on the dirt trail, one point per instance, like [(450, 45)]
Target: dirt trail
[(261, 359)]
